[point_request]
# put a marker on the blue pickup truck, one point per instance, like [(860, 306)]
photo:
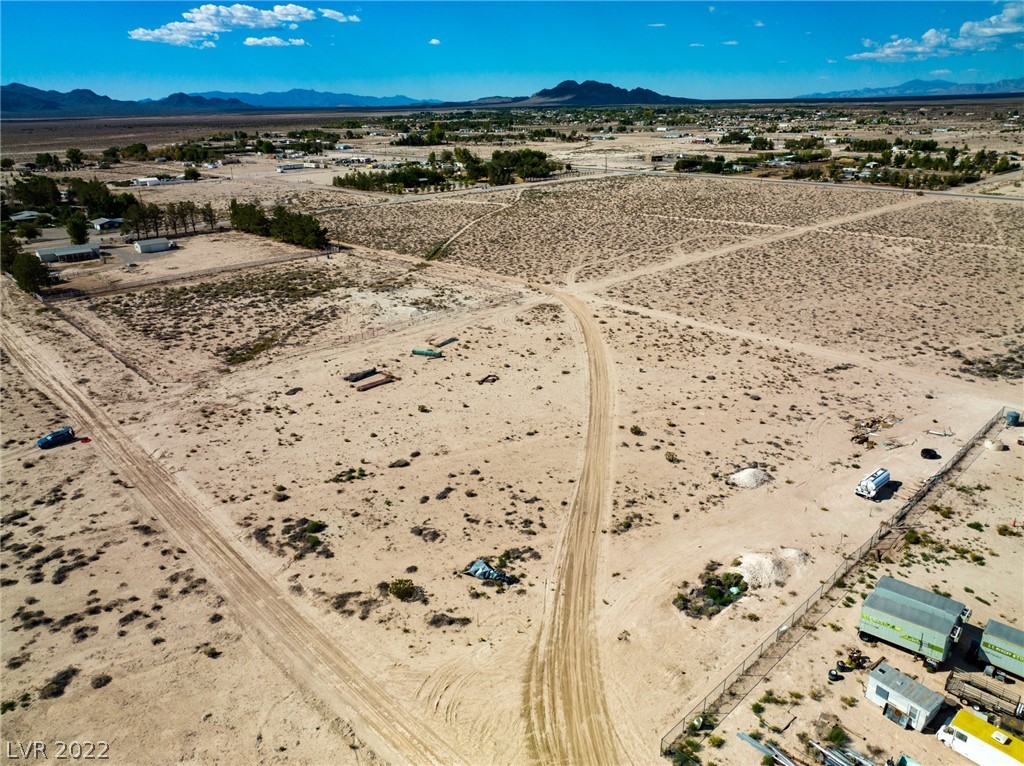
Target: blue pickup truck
[(55, 439)]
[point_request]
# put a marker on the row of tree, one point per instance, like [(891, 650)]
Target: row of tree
[(143, 219), (283, 225)]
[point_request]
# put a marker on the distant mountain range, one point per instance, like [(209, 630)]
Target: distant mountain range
[(17, 100), (588, 93), (298, 98), (928, 88)]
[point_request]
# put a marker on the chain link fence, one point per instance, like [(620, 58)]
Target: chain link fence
[(727, 695)]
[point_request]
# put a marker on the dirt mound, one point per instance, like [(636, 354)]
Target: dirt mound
[(750, 478), (762, 569)]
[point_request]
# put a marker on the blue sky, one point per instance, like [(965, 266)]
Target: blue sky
[(465, 50)]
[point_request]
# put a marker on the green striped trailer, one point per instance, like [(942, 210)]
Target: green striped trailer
[(1002, 645)]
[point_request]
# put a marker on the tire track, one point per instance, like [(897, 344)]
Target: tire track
[(566, 710), (307, 655)]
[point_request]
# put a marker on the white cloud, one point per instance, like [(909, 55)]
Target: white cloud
[(758, 23), (974, 36), (939, 72), (434, 41), (831, 61), (730, 42), (867, 42), (696, 45), (658, 25), (711, 9), (272, 42), (203, 25), (337, 15)]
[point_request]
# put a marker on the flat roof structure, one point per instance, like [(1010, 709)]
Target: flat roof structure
[(898, 591), (890, 678), (68, 254)]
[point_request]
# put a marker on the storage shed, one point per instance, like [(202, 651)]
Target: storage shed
[(902, 699), (69, 254), (157, 245), (915, 619), (1002, 645)]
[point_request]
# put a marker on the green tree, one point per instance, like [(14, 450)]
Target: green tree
[(6, 163), (134, 221), (28, 231), (154, 217), (9, 250), (189, 212), (192, 174), (36, 191), (78, 228), (209, 215), (761, 143), (172, 215), (75, 156), (29, 272)]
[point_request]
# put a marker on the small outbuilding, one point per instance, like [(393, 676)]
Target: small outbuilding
[(106, 224), (69, 254), (1002, 645), (156, 245), (25, 216), (903, 700)]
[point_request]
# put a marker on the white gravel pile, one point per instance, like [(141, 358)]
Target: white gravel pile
[(761, 570), (750, 478)]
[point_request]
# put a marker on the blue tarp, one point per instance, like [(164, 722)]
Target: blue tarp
[(480, 570)]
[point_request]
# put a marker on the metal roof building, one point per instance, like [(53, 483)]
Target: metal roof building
[(69, 254), (902, 699), (102, 224), (913, 618), (157, 245)]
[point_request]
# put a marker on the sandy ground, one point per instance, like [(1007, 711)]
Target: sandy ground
[(625, 319)]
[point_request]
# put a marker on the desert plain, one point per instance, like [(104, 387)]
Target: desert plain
[(211, 577)]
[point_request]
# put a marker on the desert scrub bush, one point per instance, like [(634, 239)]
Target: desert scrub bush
[(715, 741), (848, 701), (672, 457), (98, 682), (250, 351), (55, 686), (636, 430), (977, 526), (1005, 530), (837, 736), (315, 526), (402, 589), (757, 708)]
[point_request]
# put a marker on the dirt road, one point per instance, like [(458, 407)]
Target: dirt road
[(568, 720), (312, 660)]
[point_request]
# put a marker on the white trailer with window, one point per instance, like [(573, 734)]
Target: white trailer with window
[(903, 700), (980, 742)]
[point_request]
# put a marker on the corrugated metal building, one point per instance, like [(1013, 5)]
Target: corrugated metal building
[(69, 254), (913, 618), (1002, 645), (902, 699), (156, 245)]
